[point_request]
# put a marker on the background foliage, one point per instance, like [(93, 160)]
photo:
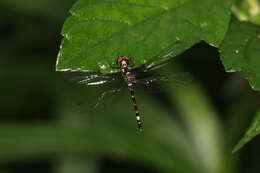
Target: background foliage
[(192, 128)]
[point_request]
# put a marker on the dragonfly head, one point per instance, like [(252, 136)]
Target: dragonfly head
[(123, 61)]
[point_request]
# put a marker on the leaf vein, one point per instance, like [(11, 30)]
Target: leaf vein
[(120, 32)]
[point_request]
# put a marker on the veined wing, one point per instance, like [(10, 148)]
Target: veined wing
[(90, 78), (159, 60), (177, 80), (100, 99)]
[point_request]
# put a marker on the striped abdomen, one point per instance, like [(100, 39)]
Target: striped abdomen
[(138, 118)]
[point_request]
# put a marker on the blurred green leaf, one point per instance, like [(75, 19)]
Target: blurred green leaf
[(200, 118), (147, 31), (248, 10), (241, 11), (110, 131), (240, 51), (252, 131), (69, 164)]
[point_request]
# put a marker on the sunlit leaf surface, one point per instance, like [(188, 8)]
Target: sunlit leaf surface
[(149, 32)]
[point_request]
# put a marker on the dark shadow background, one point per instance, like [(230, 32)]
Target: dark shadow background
[(31, 91)]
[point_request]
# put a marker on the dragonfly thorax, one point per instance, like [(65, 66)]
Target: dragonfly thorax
[(128, 76), (123, 62)]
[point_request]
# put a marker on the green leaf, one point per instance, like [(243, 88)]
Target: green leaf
[(100, 31), (252, 131), (240, 51)]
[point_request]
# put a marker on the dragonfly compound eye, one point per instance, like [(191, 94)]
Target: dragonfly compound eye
[(123, 58)]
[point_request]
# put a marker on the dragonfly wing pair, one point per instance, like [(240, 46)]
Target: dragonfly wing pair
[(90, 79)]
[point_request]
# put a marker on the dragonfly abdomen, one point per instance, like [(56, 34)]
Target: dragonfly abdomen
[(138, 118)]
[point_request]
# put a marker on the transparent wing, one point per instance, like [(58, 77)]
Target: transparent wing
[(100, 99), (106, 95), (90, 78), (159, 60), (177, 80)]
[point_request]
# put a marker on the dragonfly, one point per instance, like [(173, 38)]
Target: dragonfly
[(130, 78)]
